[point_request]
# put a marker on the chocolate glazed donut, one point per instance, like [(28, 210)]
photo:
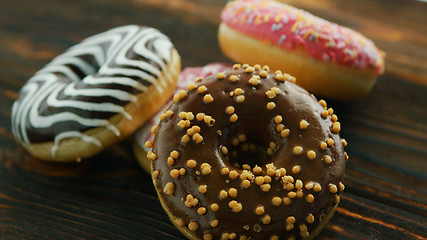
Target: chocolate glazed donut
[(248, 154), (96, 93)]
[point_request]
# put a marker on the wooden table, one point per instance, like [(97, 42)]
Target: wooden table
[(110, 197)]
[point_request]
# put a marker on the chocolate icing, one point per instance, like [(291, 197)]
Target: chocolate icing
[(257, 123)]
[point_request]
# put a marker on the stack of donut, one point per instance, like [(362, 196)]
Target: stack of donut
[(239, 152)]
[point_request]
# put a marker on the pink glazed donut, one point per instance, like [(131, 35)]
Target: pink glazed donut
[(327, 59)]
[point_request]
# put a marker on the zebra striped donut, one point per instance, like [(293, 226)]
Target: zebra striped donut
[(96, 93)]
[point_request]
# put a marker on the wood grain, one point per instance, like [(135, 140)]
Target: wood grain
[(109, 197)]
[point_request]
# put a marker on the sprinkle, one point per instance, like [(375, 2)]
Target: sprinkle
[(200, 116), (309, 198), (311, 155), (249, 69), (151, 156), (193, 226), (265, 187), (205, 168), (180, 222), (233, 174), (174, 173), (185, 139), (296, 169), (201, 211), (240, 99), (334, 118), (257, 170), (225, 171), (236, 66), (229, 110), (153, 129), (224, 150), (169, 188), (292, 194), (276, 201), (281, 39), (238, 91), (303, 124), (254, 80), (290, 219), (324, 114), (148, 144), (280, 127), (209, 120), (208, 98), (323, 103), (234, 118), (266, 68), (191, 86), (309, 218), (284, 133), (223, 194), (189, 116), (197, 138), (271, 105), (297, 150), (336, 127), (323, 145), (214, 223), (263, 73), (202, 89), (191, 201), (234, 78), (344, 142), (220, 75), (276, 27), (287, 201), (232, 192), (214, 207), (266, 219), (328, 159), (156, 174), (341, 186), (330, 141), (317, 187), (333, 188), (246, 183), (203, 189), (259, 210)]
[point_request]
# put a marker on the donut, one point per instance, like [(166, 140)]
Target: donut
[(327, 59), (143, 134), (95, 94), (248, 154)]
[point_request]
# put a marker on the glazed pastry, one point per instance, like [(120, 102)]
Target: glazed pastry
[(327, 59), (248, 154), (143, 134), (95, 94)]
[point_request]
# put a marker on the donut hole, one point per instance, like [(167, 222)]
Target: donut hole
[(242, 151)]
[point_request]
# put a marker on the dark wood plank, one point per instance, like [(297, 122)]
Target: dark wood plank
[(109, 197)]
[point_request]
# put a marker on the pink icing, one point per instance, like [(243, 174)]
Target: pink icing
[(289, 27), (187, 76)]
